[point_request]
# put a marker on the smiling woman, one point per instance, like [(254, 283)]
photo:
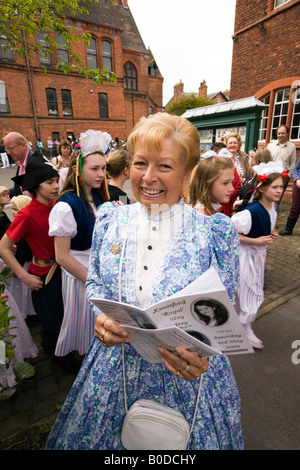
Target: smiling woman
[(142, 253)]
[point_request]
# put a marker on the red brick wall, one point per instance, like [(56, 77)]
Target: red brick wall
[(124, 109), (260, 57)]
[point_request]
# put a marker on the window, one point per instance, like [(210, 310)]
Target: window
[(103, 105), (280, 2), (5, 54), (106, 56), (4, 108), (45, 57), (152, 69), (62, 52), (130, 76), (295, 127), (51, 101), (91, 54), (264, 119), (66, 102), (280, 111)]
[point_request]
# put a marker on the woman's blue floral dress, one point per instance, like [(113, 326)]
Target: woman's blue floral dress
[(93, 413)]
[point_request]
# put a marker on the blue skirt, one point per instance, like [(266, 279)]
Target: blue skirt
[(93, 414)]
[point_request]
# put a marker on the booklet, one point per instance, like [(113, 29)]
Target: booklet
[(200, 318)]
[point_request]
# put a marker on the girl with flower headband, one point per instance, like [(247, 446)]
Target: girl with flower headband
[(255, 226), (71, 223)]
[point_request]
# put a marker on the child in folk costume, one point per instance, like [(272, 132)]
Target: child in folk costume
[(255, 226), (212, 184), (71, 224), (16, 287), (44, 275), (23, 344)]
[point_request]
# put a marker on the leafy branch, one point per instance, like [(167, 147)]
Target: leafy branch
[(22, 21)]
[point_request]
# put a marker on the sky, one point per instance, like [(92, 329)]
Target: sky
[(190, 40)]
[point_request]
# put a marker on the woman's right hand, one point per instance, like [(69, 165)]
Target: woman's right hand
[(110, 333)]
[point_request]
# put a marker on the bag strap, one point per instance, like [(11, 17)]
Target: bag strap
[(123, 355)]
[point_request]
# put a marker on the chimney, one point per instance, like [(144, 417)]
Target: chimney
[(178, 90), (203, 89)]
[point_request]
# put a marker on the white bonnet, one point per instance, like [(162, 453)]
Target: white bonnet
[(268, 168), (225, 153), (208, 154), (94, 141)]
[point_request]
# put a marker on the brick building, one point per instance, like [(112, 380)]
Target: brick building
[(39, 104), (179, 93), (266, 62)]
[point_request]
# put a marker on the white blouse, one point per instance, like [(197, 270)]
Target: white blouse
[(243, 221), (63, 224), (154, 233)]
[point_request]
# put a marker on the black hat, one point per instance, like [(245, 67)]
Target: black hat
[(38, 170)]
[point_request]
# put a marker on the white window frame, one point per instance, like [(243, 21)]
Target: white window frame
[(281, 117), (294, 126), (264, 119), (278, 3)]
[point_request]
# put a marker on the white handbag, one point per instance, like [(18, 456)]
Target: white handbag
[(149, 425)]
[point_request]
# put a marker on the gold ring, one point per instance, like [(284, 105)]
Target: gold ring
[(103, 343), (179, 372), (199, 365), (102, 338), (187, 367), (103, 323)]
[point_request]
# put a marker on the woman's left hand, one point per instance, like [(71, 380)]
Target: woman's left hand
[(184, 364)]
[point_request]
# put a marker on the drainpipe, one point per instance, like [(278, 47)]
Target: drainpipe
[(31, 88)]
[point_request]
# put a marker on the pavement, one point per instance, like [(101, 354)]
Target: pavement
[(268, 380)]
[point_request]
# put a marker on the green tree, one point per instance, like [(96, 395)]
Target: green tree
[(21, 20), (190, 102)]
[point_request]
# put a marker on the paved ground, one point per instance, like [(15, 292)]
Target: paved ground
[(268, 380)]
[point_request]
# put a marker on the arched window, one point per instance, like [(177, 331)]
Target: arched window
[(130, 76), (106, 56), (91, 54), (4, 108)]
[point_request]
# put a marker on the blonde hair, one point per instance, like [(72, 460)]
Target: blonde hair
[(152, 131), (236, 136), (20, 201), (262, 155), (208, 171), (117, 161)]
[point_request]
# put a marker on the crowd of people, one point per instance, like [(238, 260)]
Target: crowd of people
[(83, 238)]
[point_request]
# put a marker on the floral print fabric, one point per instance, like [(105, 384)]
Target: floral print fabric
[(93, 413)]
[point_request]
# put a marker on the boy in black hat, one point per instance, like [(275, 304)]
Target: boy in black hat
[(44, 276)]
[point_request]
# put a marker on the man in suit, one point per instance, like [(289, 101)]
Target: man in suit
[(17, 148)]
